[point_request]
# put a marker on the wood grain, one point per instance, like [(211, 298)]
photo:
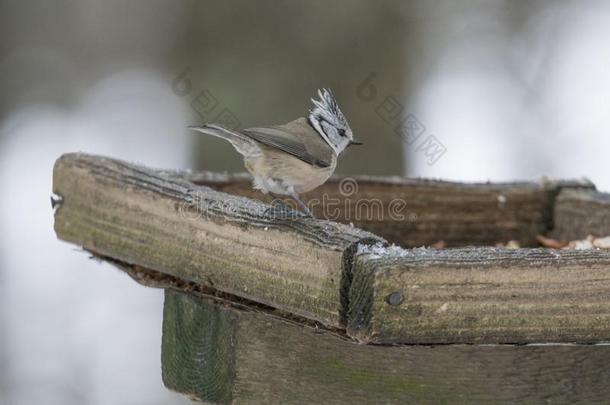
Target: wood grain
[(218, 354), (480, 295), (236, 245), (581, 212)]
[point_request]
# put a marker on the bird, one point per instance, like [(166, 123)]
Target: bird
[(292, 158)]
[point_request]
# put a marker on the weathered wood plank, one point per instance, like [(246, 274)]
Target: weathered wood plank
[(480, 295), (418, 212), (147, 217), (221, 355), (198, 357), (303, 266), (579, 213)]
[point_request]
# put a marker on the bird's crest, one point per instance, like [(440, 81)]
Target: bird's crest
[(328, 109)]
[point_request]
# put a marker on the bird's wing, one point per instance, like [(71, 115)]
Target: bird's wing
[(291, 143)]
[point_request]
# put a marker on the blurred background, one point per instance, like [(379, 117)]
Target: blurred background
[(457, 89)]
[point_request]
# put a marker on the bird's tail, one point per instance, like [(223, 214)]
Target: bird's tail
[(241, 143)]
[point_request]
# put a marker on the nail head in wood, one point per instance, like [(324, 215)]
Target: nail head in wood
[(394, 298)]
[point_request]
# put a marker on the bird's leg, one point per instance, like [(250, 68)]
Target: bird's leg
[(278, 201), (301, 204)]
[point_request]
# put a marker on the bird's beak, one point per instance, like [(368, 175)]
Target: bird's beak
[(353, 142), (194, 127)]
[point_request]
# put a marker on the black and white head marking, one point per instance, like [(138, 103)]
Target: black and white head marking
[(328, 120)]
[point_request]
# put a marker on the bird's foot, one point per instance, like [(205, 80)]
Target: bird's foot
[(280, 210), (305, 211), (304, 208)]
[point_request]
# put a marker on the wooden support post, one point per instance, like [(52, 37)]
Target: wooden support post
[(217, 354)]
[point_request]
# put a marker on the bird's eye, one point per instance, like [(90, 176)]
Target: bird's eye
[(342, 132)]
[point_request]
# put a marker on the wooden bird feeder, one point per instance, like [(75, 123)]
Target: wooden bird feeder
[(267, 306)]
